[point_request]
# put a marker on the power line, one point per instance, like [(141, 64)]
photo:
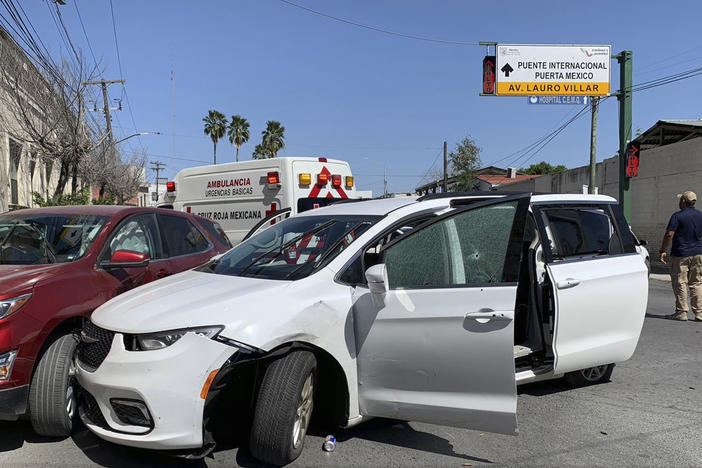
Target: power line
[(85, 33), (125, 95), (65, 31), (373, 28)]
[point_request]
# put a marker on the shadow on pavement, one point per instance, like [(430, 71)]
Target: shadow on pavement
[(112, 455), (400, 434), (549, 387), (13, 435)]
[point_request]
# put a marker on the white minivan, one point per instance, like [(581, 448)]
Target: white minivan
[(240, 195), (422, 309)]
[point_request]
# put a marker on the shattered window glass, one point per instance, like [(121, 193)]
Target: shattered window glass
[(466, 249)]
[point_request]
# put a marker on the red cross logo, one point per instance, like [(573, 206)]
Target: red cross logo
[(318, 188), (273, 209)]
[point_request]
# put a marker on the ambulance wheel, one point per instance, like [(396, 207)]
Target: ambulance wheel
[(52, 395), (590, 376), (284, 408)]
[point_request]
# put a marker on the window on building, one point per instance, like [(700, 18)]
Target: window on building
[(49, 170), (32, 167), (15, 155)]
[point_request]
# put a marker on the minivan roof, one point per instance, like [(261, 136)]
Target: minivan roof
[(383, 206)]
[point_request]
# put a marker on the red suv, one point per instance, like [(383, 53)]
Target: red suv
[(56, 266)]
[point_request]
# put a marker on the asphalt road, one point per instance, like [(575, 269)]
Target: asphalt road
[(650, 414)]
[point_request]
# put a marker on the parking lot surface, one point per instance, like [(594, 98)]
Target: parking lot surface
[(650, 414)]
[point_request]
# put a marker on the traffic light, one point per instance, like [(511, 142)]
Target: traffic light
[(632, 158), (489, 74)]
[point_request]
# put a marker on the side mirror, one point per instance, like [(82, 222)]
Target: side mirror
[(377, 277), (126, 259), (643, 242)]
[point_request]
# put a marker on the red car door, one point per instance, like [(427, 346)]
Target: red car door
[(137, 233), (184, 244)]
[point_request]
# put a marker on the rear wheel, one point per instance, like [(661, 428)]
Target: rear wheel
[(590, 376), (52, 395), (284, 408)]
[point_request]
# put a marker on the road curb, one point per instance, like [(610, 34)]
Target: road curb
[(660, 277)]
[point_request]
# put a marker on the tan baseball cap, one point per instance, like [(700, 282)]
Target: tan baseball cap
[(687, 196)]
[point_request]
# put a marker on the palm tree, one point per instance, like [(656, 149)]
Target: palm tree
[(273, 138), (238, 132), (215, 127), (259, 152)]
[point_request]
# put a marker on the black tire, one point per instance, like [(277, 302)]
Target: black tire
[(272, 437), (590, 376), (53, 389)]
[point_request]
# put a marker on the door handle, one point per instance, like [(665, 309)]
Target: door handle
[(568, 283), (485, 315), (162, 273)]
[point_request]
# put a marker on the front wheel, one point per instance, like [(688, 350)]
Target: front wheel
[(284, 408), (52, 395), (590, 376)]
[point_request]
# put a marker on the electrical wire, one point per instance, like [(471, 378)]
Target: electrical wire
[(373, 28), (85, 34), (65, 32), (125, 95)]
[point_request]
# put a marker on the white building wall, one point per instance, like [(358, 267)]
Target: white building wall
[(27, 181)]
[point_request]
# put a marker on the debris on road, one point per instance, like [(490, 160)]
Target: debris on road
[(329, 443), (603, 433)]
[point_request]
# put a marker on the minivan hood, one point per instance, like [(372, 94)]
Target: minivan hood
[(188, 299)]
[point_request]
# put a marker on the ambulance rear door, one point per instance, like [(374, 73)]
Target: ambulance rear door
[(320, 182)]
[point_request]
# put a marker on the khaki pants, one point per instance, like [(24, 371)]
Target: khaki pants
[(687, 272)]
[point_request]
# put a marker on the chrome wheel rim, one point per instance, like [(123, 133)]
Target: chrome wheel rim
[(70, 392), (70, 401), (304, 411), (594, 374)]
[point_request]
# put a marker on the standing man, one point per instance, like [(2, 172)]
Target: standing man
[(685, 231)]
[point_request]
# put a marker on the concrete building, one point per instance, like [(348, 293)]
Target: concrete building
[(23, 170), (670, 163)]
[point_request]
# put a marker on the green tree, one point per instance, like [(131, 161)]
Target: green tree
[(79, 198), (464, 161), (215, 127), (273, 138), (543, 168), (238, 132)]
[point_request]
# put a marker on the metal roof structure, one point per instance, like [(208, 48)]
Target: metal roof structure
[(665, 132)]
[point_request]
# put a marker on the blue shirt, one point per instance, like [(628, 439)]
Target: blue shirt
[(687, 224)]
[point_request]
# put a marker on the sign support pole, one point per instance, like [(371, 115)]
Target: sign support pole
[(445, 188), (624, 96), (594, 102)]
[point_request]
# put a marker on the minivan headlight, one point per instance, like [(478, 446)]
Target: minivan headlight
[(12, 305), (160, 340)]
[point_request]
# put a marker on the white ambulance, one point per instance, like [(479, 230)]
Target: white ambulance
[(241, 195)]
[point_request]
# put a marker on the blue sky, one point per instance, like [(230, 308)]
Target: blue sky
[(372, 99)]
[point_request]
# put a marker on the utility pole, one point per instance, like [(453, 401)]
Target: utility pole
[(173, 109), (157, 167), (624, 97), (385, 182), (106, 102), (445, 168), (594, 103)]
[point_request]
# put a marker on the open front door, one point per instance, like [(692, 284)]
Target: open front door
[(599, 281), (438, 346)]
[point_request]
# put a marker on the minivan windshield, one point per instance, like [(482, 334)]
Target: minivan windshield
[(35, 239), (293, 248)]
